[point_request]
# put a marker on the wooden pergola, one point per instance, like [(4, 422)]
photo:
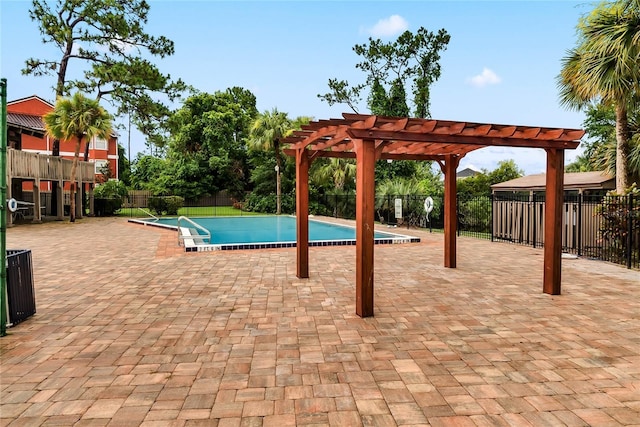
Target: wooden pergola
[(368, 138)]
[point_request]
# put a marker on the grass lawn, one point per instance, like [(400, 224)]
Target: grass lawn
[(192, 211)]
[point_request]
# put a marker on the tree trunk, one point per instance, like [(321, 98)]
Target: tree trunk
[(84, 191), (278, 188), (74, 167), (622, 148)]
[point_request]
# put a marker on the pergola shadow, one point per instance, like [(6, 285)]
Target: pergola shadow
[(368, 138)]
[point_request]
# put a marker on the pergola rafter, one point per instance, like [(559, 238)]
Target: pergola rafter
[(368, 138)]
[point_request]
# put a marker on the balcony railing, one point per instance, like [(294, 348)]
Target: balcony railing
[(26, 165)]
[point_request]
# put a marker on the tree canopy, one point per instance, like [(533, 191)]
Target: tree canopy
[(103, 50), (77, 117), (605, 67), (412, 60), (480, 184), (599, 152), (207, 150)]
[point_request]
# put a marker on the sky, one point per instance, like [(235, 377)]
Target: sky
[(499, 67)]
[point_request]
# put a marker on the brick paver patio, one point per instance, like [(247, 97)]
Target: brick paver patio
[(131, 331)]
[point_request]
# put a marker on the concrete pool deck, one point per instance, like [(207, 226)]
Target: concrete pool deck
[(131, 330)]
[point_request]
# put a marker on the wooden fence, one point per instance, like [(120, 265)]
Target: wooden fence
[(522, 221)]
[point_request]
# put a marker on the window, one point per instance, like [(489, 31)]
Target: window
[(99, 144), (100, 165)]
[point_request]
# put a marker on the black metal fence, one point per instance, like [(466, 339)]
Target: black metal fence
[(21, 299), (601, 227), (141, 203)]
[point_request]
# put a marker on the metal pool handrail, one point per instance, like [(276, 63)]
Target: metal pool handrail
[(150, 214), (207, 233)]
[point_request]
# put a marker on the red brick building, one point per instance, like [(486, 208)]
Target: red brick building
[(26, 132)]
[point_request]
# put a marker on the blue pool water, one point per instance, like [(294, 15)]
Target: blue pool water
[(253, 232), (268, 229)]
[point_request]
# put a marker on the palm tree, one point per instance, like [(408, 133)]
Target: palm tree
[(265, 134), (336, 171), (77, 117), (605, 66)]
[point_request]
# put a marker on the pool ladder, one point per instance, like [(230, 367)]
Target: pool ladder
[(190, 234)]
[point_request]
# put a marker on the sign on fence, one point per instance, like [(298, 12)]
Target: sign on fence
[(398, 208)]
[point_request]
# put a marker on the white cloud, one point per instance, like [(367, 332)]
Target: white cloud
[(123, 46), (487, 77), (387, 27)]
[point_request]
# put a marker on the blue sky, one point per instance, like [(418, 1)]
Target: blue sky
[(500, 66)]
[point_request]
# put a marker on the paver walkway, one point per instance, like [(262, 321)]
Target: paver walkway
[(131, 331)]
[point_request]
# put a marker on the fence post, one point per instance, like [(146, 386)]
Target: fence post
[(458, 225), (534, 234), (629, 230), (580, 228), (491, 200)]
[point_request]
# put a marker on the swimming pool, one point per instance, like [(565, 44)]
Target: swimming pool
[(257, 232)]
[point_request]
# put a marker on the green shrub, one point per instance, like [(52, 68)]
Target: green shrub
[(267, 204), (173, 204), (109, 197), (165, 205)]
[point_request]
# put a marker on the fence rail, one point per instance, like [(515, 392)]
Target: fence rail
[(606, 228)]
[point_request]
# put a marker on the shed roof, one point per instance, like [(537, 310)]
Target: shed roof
[(598, 180)]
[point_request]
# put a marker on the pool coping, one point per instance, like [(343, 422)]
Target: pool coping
[(191, 246)]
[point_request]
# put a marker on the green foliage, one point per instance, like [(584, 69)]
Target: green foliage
[(207, 152), (77, 117), (397, 105), (617, 215), (107, 40), (480, 184), (109, 197), (111, 190), (266, 134), (397, 169), (268, 203), (411, 191), (600, 147), (410, 60), (474, 214), (334, 173), (124, 167), (604, 67), (165, 205), (378, 99), (145, 171), (341, 93)]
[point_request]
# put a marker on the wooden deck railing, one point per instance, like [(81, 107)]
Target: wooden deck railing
[(26, 165)]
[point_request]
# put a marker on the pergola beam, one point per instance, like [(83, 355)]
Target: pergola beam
[(461, 139)]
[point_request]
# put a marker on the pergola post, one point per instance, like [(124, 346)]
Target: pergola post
[(59, 201), (450, 210), (365, 201), (302, 213), (553, 222), (37, 212)]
